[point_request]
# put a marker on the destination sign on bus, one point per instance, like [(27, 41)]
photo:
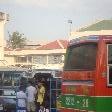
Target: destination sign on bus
[(84, 38)]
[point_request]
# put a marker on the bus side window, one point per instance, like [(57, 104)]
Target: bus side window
[(0, 79), (7, 79), (109, 54), (109, 64), (15, 79), (110, 75)]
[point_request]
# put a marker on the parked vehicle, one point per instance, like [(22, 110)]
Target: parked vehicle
[(10, 80), (87, 75)]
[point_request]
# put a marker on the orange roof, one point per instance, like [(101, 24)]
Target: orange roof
[(64, 43), (57, 44)]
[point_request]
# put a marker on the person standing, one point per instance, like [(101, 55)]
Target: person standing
[(31, 92), (21, 100), (43, 109), (40, 96)]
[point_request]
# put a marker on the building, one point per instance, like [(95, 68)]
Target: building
[(103, 27), (51, 55), (31, 45), (48, 56), (3, 19)]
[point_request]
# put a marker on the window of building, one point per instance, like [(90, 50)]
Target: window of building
[(30, 59), (21, 59), (54, 59), (40, 59)]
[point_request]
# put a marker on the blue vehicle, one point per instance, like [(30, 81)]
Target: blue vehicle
[(52, 80), (10, 80)]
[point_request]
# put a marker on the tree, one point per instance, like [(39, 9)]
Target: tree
[(16, 40)]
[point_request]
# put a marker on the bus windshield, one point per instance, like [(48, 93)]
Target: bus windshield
[(82, 56)]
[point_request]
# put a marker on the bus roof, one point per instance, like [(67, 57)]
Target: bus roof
[(91, 38), (49, 71)]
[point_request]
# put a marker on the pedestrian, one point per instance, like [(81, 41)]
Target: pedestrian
[(43, 109), (31, 93), (21, 100), (46, 99), (40, 96)]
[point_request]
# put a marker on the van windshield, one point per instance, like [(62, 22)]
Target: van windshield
[(81, 56)]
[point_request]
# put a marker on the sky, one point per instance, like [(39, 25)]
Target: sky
[(47, 20)]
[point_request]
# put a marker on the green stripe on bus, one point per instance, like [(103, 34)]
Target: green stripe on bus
[(98, 104)]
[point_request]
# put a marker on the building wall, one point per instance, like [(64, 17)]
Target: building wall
[(87, 33), (3, 20), (9, 60), (1, 40), (36, 58)]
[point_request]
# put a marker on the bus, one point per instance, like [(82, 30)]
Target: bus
[(10, 80), (52, 81), (87, 75)]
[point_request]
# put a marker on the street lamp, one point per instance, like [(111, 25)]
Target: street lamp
[(70, 26)]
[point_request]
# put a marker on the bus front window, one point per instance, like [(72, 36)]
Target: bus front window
[(81, 56)]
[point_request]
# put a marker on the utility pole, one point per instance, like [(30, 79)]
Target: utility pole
[(70, 26)]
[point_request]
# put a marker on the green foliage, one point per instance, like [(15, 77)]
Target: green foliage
[(16, 40)]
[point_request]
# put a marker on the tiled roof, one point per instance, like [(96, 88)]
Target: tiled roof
[(101, 25), (57, 44), (64, 43)]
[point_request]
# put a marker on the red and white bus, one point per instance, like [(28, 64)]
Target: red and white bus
[(87, 75)]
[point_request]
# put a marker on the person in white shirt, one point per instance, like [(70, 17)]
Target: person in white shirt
[(31, 92), (21, 100), (42, 109)]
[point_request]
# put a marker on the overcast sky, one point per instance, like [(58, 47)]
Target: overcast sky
[(48, 19)]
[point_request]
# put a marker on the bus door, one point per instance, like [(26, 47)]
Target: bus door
[(44, 77), (53, 91)]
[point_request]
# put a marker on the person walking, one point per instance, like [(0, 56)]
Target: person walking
[(21, 100), (31, 92)]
